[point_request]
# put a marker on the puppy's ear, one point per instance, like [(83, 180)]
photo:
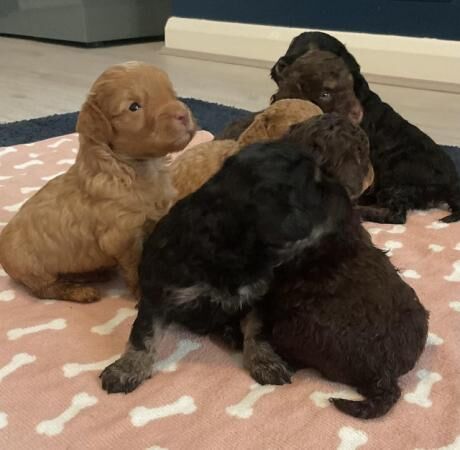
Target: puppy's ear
[(278, 68), (93, 124), (288, 87), (256, 132)]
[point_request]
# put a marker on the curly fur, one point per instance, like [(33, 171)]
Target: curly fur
[(412, 171), (213, 255), (94, 217), (192, 168), (339, 307), (320, 77)]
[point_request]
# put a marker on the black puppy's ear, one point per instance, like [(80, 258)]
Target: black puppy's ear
[(278, 68), (288, 87)]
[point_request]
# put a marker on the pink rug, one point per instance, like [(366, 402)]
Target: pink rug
[(51, 354)]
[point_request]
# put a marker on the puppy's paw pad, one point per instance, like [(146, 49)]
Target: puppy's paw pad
[(271, 371), (118, 378), (86, 295)]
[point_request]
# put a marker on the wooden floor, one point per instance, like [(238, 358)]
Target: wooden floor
[(39, 79)]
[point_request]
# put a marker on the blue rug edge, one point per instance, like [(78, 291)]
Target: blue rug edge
[(210, 116)]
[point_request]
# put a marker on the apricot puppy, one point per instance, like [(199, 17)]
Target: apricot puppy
[(93, 218)]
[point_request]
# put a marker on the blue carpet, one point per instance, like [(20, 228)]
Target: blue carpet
[(211, 116)]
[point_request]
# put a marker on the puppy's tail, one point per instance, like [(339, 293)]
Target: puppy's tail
[(380, 398)]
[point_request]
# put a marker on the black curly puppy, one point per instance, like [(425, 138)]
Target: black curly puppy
[(411, 170), (213, 256), (340, 306)]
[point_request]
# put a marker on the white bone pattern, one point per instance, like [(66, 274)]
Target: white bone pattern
[(455, 275), (351, 439), (55, 426), (73, 369), (169, 364), (455, 306), (7, 296), (17, 361), (421, 395), (434, 339), (56, 324), (244, 409), (321, 399), (108, 327), (3, 419), (141, 415)]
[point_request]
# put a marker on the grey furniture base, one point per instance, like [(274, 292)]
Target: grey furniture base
[(84, 21)]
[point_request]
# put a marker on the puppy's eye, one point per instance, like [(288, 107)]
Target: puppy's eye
[(134, 107), (325, 96)]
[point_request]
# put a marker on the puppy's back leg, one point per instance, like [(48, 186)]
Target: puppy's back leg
[(49, 287), (136, 363)]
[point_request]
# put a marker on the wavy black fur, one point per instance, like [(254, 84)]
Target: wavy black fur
[(411, 170)]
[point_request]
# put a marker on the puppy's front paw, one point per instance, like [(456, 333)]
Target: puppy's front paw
[(121, 376), (266, 367)]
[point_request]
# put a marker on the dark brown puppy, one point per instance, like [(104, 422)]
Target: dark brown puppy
[(341, 307), (322, 78), (412, 171)]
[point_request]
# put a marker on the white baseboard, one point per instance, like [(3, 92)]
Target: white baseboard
[(424, 61)]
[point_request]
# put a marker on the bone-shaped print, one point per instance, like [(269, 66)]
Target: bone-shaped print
[(457, 247), (141, 415), (454, 277), (55, 426), (455, 306), (17, 361), (392, 245), (56, 324), (169, 364), (50, 177), (59, 143), (351, 439), (5, 177), (454, 446), (244, 409), (33, 155), (7, 150), (15, 207), (411, 274), (3, 419), (28, 190), (31, 144), (395, 229), (65, 161), (422, 391), (32, 162), (73, 369), (434, 339), (108, 327), (156, 447), (321, 399), (437, 225), (435, 248), (7, 296)]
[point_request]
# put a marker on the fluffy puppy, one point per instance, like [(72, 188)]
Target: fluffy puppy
[(339, 307), (320, 77), (412, 171), (94, 217), (214, 254), (192, 168)]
